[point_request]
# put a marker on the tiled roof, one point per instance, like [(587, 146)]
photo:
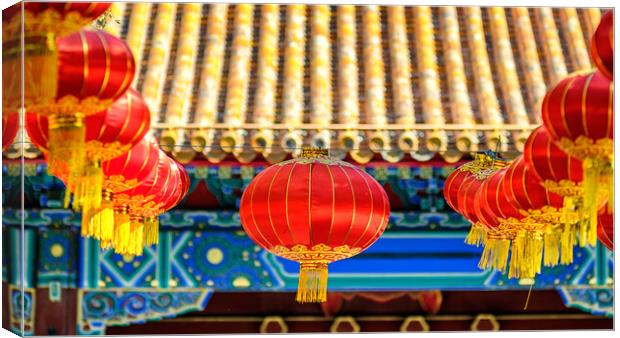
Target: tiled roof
[(388, 80)]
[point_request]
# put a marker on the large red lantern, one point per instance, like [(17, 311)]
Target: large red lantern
[(314, 210), (94, 69), (542, 217), (560, 174), (466, 199), (10, 127), (109, 134), (605, 231), (578, 114), (42, 23), (602, 45), (137, 208), (119, 174), (501, 219)]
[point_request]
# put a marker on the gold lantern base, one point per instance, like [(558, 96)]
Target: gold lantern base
[(312, 287)]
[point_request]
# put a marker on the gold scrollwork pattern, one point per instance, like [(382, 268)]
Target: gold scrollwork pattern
[(69, 105), (48, 21), (563, 187), (119, 183), (319, 253), (583, 147), (100, 151)]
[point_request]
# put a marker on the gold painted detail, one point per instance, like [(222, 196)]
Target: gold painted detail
[(319, 253), (319, 159), (48, 21), (69, 105), (583, 147), (99, 151), (57, 250), (483, 166), (563, 187), (119, 183), (314, 152)]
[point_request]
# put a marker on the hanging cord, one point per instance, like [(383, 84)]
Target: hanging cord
[(529, 293)]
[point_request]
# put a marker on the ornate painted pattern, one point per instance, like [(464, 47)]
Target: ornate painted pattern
[(21, 310), (126, 270), (412, 188), (99, 308), (220, 259), (56, 257), (596, 300)]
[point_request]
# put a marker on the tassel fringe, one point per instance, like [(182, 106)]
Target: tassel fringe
[(151, 231), (495, 254), (136, 239), (312, 286), (592, 168), (477, 236), (87, 188), (66, 154), (552, 248), (526, 255), (102, 223), (122, 231)]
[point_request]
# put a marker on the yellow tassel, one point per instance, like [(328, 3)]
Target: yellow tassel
[(592, 169), (136, 236), (101, 222), (88, 188), (476, 236), (517, 252), (568, 240), (122, 231), (495, 253), (66, 145), (105, 244), (551, 247), (534, 251), (151, 231), (40, 64), (312, 286)]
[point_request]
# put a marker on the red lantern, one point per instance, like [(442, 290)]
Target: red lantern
[(139, 207), (132, 203), (560, 174), (578, 114), (94, 69), (314, 210), (10, 127), (109, 134), (119, 174), (543, 219), (602, 45), (605, 231), (42, 23), (499, 216), (456, 193), (453, 183)]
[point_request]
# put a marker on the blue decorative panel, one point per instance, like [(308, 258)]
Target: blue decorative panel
[(57, 256), (21, 310), (128, 271), (223, 260), (98, 308), (596, 300)]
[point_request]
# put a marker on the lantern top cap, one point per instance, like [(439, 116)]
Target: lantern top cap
[(313, 152)]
